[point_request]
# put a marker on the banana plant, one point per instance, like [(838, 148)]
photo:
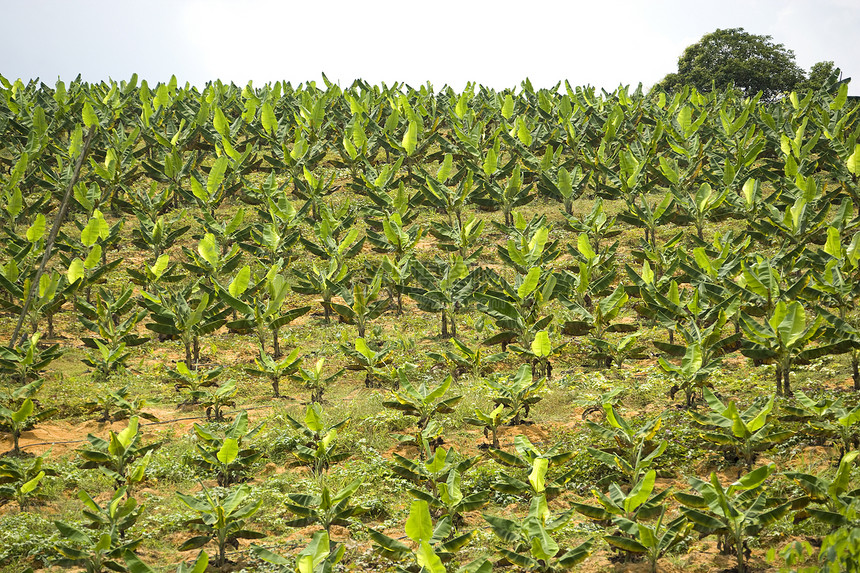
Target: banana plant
[(598, 322), (275, 370), (640, 503), (397, 274), (539, 354), (596, 225), (110, 319), (372, 362), (834, 495), (274, 235), (181, 314), (443, 287), (90, 266), (648, 218), (213, 399), (395, 237), (517, 308), (468, 359), (745, 432), (326, 282), (432, 548), (324, 510), (316, 448), (116, 405), (314, 380), (783, 339), (116, 517), (634, 450), (518, 393), (159, 234), (329, 245), (506, 195), (228, 454), (193, 381), (150, 277), (103, 549), (611, 352), (421, 402), (21, 480), (18, 421), (529, 458), (313, 189), (490, 422), (211, 196), (362, 304), (221, 519), (261, 309), (449, 200), (827, 418), (653, 540), (705, 348), (568, 185), (701, 207), (531, 544), (460, 238), (210, 261), (317, 557), (734, 513), (528, 244), (27, 361), (120, 457)]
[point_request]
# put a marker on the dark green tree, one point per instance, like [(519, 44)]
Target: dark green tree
[(735, 57)]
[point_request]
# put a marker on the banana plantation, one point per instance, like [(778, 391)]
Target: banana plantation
[(318, 328)]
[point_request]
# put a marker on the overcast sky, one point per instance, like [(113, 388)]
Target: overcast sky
[(495, 43)]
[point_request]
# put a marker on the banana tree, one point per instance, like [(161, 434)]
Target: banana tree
[(261, 309), (783, 339), (314, 380), (184, 315), (599, 322), (26, 361), (21, 419), (634, 450), (362, 304), (531, 543), (596, 225), (325, 510), (733, 513), (432, 549), (421, 402), (443, 287), (326, 282), (373, 362), (275, 370), (518, 393), (745, 432), (517, 308), (465, 358), (526, 456)]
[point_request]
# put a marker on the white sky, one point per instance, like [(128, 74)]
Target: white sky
[(495, 43)]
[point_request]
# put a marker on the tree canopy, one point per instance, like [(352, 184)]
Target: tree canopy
[(733, 56)]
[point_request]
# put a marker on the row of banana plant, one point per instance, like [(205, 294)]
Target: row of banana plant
[(637, 517)]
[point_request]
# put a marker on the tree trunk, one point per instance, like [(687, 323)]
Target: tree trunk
[(453, 326), (276, 386), (444, 324), (778, 380), (326, 311), (786, 388), (196, 349), (855, 369), (276, 346), (188, 357)]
